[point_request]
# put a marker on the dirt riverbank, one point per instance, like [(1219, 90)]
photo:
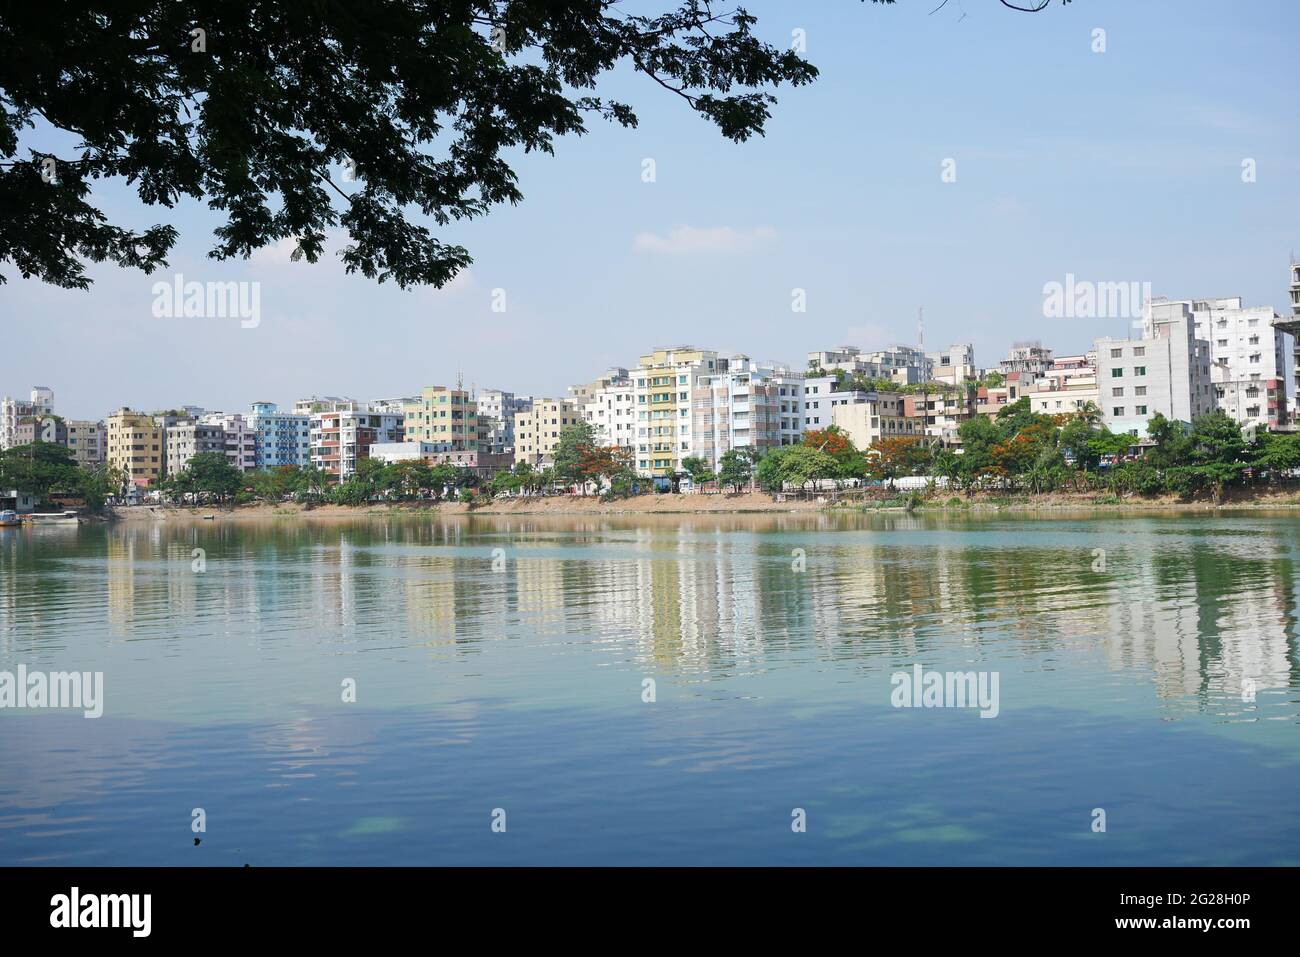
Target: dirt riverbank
[(751, 502)]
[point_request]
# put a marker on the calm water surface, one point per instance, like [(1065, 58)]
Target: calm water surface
[(513, 679)]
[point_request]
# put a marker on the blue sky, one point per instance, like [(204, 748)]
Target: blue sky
[(1115, 166)]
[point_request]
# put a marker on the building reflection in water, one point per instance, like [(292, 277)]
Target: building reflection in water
[(1203, 609)]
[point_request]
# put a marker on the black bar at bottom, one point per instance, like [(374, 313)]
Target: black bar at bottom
[(333, 905)]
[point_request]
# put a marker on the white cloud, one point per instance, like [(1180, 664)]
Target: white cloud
[(280, 253), (691, 239)]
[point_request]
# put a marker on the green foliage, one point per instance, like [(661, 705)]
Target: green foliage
[(207, 474), (796, 465), (573, 443), (1039, 453), (860, 382), (431, 102), (735, 468), (41, 469), (698, 470), (1277, 453)]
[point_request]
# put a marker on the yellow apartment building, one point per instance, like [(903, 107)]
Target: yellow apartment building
[(537, 431), (878, 415), (134, 445), (663, 381), (446, 417)]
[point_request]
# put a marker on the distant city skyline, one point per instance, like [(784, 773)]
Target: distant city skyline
[(1122, 166)]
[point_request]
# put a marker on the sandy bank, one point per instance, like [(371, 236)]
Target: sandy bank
[(754, 502)]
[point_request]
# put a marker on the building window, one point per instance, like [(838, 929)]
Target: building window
[(1116, 373), (1117, 411)]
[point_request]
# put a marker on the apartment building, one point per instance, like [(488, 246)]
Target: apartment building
[(164, 420), (87, 441), (1065, 395), (281, 438), (821, 396), (905, 365), (340, 438), (496, 419), (1290, 324), (953, 365), (1248, 355), (872, 416), (663, 382), (325, 403), (1032, 359), (134, 447), (241, 439), (1067, 367), (609, 404), (41, 428), (990, 400), (743, 404), (391, 453), (187, 439), (537, 430), (14, 411), (940, 413), (1066, 387), (1165, 371), (444, 416)]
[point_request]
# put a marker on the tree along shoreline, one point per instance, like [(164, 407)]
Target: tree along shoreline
[(1017, 453), (1246, 500)]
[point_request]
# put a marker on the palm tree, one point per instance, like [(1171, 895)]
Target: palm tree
[(1090, 414)]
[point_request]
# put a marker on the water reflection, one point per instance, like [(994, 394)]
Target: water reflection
[(1201, 607), (505, 655)]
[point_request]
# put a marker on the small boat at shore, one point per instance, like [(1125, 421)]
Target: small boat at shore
[(68, 517), (9, 518)]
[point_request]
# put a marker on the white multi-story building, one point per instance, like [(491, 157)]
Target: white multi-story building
[(342, 437), (953, 365), (1066, 395), (821, 397), (1166, 371), (903, 364), (325, 403), (744, 403), (390, 452), (1067, 387), (1027, 357), (282, 438), (609, 404), (496, 419), (13, 411), (187, 438), (1248, 354)]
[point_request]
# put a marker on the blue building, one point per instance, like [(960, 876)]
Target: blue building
[(282, 437)]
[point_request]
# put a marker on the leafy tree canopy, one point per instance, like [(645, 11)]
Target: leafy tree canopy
[(293, 118)]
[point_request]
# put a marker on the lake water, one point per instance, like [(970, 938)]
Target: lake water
[(500, 668)]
